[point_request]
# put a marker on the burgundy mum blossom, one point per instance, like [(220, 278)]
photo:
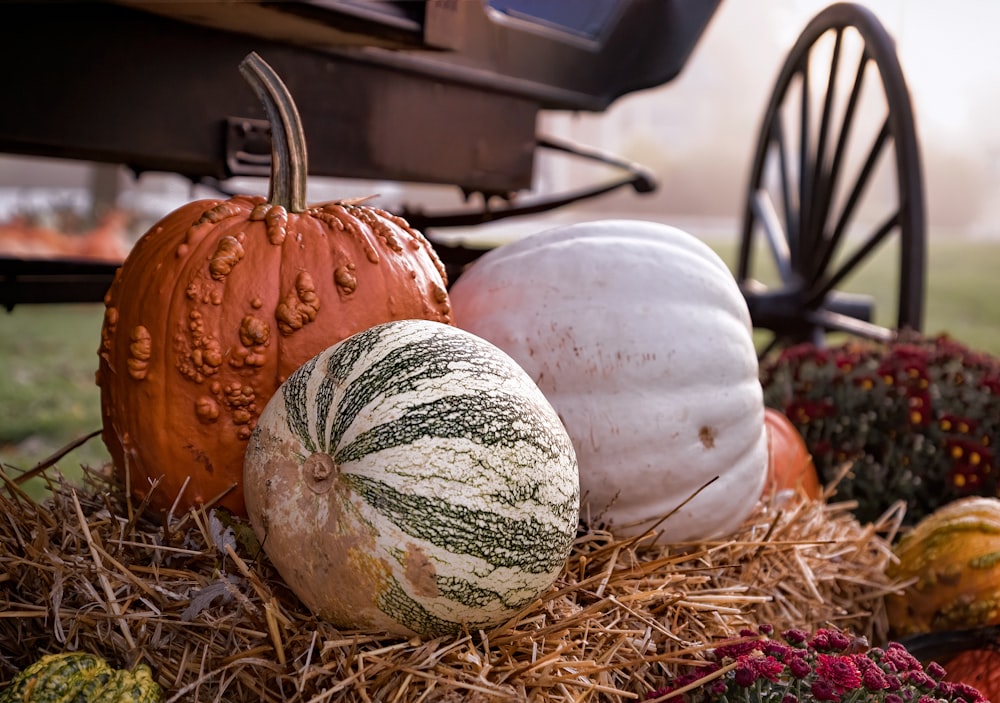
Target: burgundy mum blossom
[(823, 690), (737, 649), (872, 678), (828, 666), (776, 649), (799, 667), (900, 660), (916, 417), (795, 637), (841, 672), (936, 670)]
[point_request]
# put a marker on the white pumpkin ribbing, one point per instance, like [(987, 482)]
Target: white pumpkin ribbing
[(639, 336), (451, 466)]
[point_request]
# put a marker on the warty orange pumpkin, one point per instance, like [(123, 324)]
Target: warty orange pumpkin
[(951, 561), (221, 300)]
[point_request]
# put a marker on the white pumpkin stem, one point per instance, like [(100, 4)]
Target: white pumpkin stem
[(289, 163)]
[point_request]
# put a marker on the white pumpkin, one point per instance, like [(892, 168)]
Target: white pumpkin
[(638, 335), (413, 479)]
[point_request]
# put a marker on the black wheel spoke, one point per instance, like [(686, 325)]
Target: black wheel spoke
[(812, 235), (824, 178), (866, 249), (831, 180), (806, 171), (832, 241), (830, 321), (789, 202), (775, 234)]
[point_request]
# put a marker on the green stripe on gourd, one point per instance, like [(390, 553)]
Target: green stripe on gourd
[(295, 393), (517, 543), (490, 416), (463, 591), (406, 368), (442, 453), (395, 602)]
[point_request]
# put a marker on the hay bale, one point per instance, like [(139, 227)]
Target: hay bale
[(194, 598)]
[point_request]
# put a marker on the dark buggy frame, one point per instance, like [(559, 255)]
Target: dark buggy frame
[(448, 92)]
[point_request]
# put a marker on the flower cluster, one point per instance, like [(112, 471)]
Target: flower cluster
[(917, 418), (828, 665)]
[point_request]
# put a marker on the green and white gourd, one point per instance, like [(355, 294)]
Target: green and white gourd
[(413, 479)]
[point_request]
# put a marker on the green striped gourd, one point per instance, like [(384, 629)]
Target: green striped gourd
[(413, 479), (78, 676)]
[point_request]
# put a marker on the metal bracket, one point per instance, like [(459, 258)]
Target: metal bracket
[(248, 147), (640, 178)]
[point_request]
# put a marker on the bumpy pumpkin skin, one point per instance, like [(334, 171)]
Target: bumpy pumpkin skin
[(639, 336), (80, 676), (217, 304), (954, 555), (412, 479)]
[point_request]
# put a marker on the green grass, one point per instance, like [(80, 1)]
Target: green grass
[(48, 353), (962, 294)]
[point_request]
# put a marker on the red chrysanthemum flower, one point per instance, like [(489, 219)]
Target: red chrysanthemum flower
[(827, 667), (823, 690), (840, 671)]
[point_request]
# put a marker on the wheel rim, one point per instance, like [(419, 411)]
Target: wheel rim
[(836, 180)]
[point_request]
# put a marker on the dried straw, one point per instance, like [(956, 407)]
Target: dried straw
[(196, 601)]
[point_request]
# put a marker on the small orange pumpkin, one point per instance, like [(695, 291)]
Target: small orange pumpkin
[(789, 462), (979, 668), (222, 299)]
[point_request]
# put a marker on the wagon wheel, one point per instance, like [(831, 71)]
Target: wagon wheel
[(836, 181)]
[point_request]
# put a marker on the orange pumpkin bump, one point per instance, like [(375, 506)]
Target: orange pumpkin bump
[(222, 299), (789, 462)]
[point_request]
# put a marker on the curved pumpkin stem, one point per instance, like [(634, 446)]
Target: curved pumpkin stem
[(289, 164)]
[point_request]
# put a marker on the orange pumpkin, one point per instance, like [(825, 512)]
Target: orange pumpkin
[(979, 668), (789, 463), (222, 299)]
